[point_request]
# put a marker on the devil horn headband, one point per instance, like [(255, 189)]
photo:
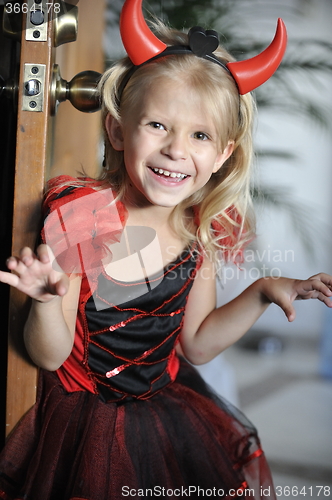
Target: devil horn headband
[(142, 46)]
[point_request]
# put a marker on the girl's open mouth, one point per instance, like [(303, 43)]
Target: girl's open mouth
[(166, 174)]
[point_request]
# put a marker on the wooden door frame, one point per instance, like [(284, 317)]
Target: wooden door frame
[(30, 167), (35, 145), (9, 57)]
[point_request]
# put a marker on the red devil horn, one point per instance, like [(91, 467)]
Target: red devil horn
[(253, 72), (139, 41)]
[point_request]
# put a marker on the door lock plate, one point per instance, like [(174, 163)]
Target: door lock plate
[(37, 20), (34, 87)]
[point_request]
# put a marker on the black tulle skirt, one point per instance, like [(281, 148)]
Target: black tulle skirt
[(183, 442)]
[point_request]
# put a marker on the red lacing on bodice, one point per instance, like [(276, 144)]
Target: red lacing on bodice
[(134, 356)]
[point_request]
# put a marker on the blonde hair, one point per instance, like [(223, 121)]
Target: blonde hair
[(223, 205)]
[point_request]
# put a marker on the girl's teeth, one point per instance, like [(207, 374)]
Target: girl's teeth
[(174, 175)]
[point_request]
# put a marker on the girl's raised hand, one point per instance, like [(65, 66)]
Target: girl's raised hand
[(36, 275), (283, 291)]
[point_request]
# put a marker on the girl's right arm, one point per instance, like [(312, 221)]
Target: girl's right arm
[(49, 330), (207, 331)]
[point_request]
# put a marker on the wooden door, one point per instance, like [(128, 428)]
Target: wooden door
[(45, 145)]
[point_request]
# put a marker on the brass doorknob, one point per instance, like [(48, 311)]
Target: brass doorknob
[(9, 89), (81, 91)]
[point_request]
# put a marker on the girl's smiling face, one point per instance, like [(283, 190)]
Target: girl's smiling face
[(170, 144)]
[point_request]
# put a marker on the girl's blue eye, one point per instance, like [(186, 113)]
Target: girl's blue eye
[(201, 136)]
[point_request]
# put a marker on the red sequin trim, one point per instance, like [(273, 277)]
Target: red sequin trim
[(118, 325), (139, 360), (124, 323)]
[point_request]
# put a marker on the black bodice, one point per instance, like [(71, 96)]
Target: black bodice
[(131, 345)]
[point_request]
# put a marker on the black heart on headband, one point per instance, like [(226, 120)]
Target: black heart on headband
[(203, 42)]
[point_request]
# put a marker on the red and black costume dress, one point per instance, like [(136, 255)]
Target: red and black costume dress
[(124, 416)]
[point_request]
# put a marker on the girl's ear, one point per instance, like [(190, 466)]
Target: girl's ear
[(223, 156), (114, 132)]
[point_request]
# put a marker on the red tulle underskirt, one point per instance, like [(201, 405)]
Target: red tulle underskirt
[(73, 446)]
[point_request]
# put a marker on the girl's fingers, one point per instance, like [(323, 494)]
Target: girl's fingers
[(320, 286), (19, 264), (289, 311), (36, 274), (27, 256), (45, 254), (9, 278), (282, 300), (324, 278), (327, 278), (27, 259), (326, 300), (12, 263), (61, 287), (16, 265), (313, 287)]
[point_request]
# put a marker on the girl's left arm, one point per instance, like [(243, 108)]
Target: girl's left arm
[(207, 331)]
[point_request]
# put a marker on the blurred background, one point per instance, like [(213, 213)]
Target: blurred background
[(280, 373)]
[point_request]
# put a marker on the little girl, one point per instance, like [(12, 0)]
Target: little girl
[(120, 413)]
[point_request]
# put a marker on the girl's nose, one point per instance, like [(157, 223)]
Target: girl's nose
[(175, 148)]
